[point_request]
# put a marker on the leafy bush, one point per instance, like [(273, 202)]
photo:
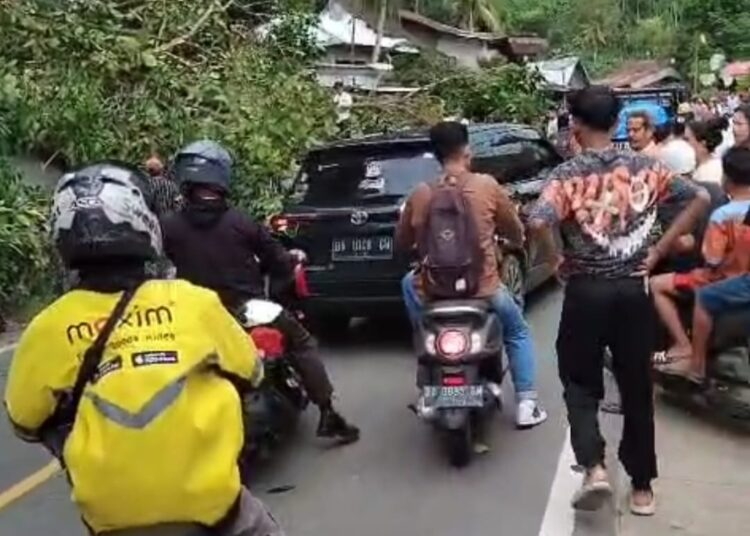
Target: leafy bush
[(24, 260), (104, 79)]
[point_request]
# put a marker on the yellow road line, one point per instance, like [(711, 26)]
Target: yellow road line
[(28, 484)]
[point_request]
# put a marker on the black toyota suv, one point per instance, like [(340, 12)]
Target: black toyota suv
[(348, 196)]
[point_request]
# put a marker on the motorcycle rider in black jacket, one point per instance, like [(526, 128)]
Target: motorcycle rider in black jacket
[(216, 246)]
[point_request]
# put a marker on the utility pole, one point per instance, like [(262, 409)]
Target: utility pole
[(696, 61)]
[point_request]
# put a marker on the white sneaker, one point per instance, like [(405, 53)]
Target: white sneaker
[(529, 414)]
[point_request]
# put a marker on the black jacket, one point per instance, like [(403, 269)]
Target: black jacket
[(225, 251)]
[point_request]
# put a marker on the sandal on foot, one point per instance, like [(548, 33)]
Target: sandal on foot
[(644, 510), (592, 495)]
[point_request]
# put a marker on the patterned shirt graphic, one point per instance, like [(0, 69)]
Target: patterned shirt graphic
[(608, 205)]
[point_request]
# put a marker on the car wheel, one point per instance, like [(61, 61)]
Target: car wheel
[(513, 277)]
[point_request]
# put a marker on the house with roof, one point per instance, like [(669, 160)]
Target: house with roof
[(347, 44), (563, 74), (469, 49), (642, 74)]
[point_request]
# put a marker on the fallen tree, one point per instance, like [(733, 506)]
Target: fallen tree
[(90, 79)]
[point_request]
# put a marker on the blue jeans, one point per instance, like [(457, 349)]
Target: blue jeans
[(516, 334), (725, 296)]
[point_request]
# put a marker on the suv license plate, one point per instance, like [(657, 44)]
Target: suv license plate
[(465, 396), (362, 248)]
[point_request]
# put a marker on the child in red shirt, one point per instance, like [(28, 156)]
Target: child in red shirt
[(726, 250)]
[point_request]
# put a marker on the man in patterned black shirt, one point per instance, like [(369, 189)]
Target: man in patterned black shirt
[(609, 207)]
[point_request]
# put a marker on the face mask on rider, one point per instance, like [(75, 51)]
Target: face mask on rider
[(206, 199)]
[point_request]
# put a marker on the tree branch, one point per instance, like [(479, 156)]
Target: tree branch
[(197, 26)]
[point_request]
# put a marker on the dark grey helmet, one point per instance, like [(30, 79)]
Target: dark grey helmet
[(101, 212), (204, 162)]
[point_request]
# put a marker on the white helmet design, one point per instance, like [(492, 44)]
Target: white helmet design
[(101, 212)]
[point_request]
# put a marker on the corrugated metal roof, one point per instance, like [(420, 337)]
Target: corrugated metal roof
[(334, 28), (558, 72), (639, 74), (410, 16), (737, 69)]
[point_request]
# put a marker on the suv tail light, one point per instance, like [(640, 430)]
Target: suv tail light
[(301, 288), (281, 224), (452, 343), (269, 342)]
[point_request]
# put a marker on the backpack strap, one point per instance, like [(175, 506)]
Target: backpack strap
[(747, 218), (93, 355), (54, 432)]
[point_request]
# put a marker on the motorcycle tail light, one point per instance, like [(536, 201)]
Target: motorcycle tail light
[(454, 381), (452, 343), (269, 342)]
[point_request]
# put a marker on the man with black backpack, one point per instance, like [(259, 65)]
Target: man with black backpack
[(453, 224)]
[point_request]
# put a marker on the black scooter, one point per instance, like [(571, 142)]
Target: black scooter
[(271, 411), (727, 386), (459, 346)]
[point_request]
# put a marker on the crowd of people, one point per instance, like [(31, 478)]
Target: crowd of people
[(708, 143), (685, 228), (141, 399)]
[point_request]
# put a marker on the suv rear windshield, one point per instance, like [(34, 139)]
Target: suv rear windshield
[(363, 176)]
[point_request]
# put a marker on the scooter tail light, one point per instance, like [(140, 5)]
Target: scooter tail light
[(452, 343), (454, 381), (269, 342)]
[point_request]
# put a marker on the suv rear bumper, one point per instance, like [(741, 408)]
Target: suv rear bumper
[(322, 306)]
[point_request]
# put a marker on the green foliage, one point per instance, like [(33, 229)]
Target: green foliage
[(102, 79), (380, 114), (655, 36), (725, 23), (498, 93), (504, 93), (25, 266)]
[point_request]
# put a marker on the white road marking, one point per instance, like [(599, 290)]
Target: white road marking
[(559, 517), (7, 348)]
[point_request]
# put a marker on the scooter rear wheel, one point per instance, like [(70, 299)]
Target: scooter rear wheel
[(459, 444)]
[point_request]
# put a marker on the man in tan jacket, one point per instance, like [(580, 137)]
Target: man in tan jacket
[(495, 215)]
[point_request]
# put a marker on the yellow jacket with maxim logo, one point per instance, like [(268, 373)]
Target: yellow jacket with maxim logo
[(159, 431)]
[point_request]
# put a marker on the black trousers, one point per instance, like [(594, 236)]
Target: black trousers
[(303, 351), (617, 313)]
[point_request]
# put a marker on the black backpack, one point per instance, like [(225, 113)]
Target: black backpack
[(449, 246)]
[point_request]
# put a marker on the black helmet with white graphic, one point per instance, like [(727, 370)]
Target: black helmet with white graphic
[(101, 213), (204, 163)]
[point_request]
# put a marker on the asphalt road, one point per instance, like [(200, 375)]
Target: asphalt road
[(395, 481)]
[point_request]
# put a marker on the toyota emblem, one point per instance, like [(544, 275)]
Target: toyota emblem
[(359, 217)]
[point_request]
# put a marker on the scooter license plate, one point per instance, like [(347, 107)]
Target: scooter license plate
[(464, 396)]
